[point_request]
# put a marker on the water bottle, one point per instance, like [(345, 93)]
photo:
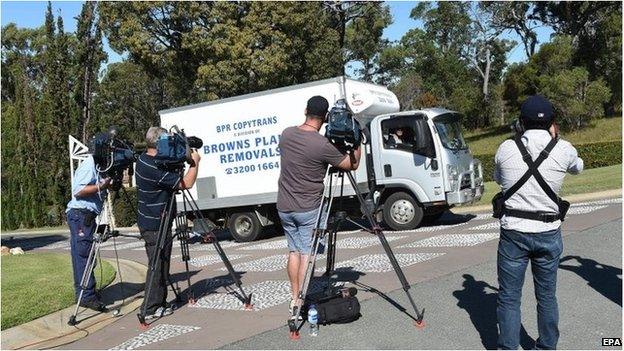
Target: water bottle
[(313, 320)]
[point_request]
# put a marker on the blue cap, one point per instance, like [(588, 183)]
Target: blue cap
[(537, 109)]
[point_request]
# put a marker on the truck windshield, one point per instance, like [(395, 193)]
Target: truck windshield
[(449, 129)]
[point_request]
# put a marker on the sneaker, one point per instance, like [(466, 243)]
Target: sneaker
[(95, 305), (159, 313), (292, 309)]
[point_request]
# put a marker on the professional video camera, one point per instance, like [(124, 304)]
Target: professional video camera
[(174, 148), (112, 156), (343, 130)]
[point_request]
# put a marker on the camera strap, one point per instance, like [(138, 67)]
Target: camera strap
[(533, 171)]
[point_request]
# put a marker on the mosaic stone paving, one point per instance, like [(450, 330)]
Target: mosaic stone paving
[(360, 242), (206, 260), (264, 295), (486, 226), (265, 264), (380, 262), (584, 209), (453, 240), (156, 334), (271, 245)]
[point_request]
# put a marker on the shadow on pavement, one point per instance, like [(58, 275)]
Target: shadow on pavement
[(396, 305), (33, 242), (481, 307), (601, 277)]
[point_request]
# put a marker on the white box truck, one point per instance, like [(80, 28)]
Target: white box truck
[(417, 162)]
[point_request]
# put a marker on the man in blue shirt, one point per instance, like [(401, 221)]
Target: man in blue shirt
[(88, 195), (155, 187)]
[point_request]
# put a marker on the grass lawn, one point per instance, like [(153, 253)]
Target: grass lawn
[(36, 284), (589, 181), (486, 141)]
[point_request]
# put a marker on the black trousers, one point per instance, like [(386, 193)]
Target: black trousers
[(158, 292)]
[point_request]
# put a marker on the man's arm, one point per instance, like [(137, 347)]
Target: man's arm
[(88, 190), (191, 175), (575, 166), (497, 164), (351, 161), (81, 184)]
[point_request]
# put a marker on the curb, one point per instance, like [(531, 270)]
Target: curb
[(52, 330), (572, 198)]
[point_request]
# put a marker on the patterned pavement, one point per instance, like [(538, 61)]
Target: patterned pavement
[(218, 318)]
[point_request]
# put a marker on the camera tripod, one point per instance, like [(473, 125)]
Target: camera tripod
[(182, 233), (101, 235), (318, 234)]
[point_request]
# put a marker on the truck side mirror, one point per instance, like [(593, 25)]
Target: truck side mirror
[(423, 142)]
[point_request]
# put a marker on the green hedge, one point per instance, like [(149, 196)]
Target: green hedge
[(125, 208), (594, 155)]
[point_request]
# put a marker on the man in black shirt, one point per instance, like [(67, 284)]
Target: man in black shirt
[(155, 188)]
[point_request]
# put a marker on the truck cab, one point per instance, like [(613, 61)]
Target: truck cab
[(421, 166)]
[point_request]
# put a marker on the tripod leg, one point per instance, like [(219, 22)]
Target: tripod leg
[(156, 259), (84, 281), (386, 246), (195, 209)]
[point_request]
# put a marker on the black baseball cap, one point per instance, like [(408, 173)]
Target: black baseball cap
[(537, 110), (317, 106)]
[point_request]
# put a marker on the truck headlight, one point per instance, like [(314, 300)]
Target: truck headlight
[(451, 173)]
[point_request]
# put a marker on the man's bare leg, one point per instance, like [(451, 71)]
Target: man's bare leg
[(303, 265), (294, 262)]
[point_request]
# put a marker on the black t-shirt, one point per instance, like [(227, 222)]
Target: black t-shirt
[(154, 187)]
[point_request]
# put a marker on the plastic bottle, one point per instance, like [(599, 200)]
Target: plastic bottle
[(313, 320)]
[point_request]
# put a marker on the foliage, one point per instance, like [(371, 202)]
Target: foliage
[(42, 103), (125, 207), (577, 98), (594, 155), (129, 99), (37, 284)]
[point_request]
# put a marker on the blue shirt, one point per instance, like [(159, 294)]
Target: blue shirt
[(86, 174), (155, 186)]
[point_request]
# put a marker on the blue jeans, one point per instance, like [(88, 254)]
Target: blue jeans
[(515, 250), (81, 240), (298, 227)]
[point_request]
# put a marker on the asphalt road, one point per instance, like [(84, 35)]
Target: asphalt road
[(451, 265), (461, 307)]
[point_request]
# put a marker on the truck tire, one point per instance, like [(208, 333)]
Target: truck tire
[(244, 226), (402, 212)]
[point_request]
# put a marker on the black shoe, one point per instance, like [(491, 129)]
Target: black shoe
[(95, 305)]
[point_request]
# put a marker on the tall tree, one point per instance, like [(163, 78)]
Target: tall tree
[(89, 55), (518, 17)]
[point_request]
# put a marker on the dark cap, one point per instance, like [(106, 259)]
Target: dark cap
[(317, 106), (537, 109)]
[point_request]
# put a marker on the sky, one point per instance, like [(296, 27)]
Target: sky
[(31, 14)]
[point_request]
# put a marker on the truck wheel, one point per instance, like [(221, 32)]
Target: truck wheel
[(244, 226), (402, 212)]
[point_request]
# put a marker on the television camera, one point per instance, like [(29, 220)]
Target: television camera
[(112, 156), (174, 148), (342, 129)]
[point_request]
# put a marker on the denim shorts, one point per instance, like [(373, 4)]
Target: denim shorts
[(298, 227)]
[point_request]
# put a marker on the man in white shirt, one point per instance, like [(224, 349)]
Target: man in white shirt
[(531, 221)]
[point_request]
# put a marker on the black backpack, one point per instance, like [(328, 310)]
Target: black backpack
[(338, 310)]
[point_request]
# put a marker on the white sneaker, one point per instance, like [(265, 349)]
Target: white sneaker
[(160, 312)]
